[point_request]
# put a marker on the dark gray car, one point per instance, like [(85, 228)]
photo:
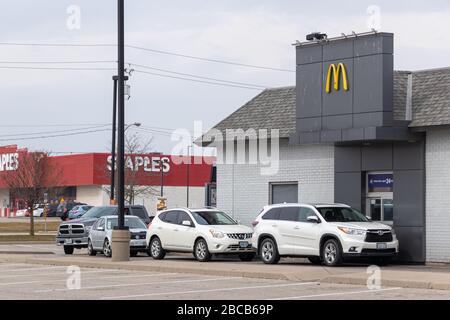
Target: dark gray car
[(74, 234)]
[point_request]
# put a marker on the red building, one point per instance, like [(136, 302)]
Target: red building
[(86, 177)]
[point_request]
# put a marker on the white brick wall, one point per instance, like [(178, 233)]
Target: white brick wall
[(438, 195), (243, 191)]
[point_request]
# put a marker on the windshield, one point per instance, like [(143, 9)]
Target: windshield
[(97, 212), (212, 218), (337, 214), (130, 222)]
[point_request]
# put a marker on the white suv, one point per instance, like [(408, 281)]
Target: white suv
[(201, 231), (322, 233)]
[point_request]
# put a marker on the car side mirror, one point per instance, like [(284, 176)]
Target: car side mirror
[(186, 223), (368, 218), (100, 229), (313, 219)]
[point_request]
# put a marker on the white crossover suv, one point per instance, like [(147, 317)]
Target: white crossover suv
[(322, 233), (201, 231)]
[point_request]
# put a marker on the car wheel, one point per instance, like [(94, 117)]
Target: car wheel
[(248, 256), (90, 249), (331, 253), (107, 251), (156, 250), (68, 249), (201, 251), (269, 251), (315, 260)]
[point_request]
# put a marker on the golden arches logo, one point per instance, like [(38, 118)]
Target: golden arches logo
[(336, 72)]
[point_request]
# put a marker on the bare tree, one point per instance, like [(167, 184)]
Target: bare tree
[(34, 179), (135, 144)]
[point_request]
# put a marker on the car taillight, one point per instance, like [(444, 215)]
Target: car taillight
[(254, 223)]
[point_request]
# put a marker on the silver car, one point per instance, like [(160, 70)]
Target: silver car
[(99, 239)]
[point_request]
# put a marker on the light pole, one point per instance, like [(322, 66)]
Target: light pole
[(112, 197), (121, 234), (188, 175)]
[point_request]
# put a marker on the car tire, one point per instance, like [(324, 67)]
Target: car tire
[(248, 256), (201, 251), (90, 248), (156, 250), (269, 251), (68, 249), (315, 260), (331, 253), (107, 251)]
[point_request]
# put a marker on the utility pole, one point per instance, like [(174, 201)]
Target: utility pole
[(187, 176), (121, 234), (112, 197)]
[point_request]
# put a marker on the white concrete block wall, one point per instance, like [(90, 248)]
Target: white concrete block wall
[(243, 191), (437, 216), (92, 195)]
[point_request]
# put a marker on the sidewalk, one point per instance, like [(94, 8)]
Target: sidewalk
[(424, 277)]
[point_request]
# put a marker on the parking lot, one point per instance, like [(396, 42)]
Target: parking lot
[(19, 280)]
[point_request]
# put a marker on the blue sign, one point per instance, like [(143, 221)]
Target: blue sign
[(380, 182)]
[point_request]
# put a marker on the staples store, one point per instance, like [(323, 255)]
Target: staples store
[(353, 130), (86, 178)]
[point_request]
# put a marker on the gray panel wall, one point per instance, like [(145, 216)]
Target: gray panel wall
[(368, 61), (407, 161)]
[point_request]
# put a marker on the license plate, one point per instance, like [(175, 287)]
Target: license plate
[(68, 241), (243, 244), (381, 246), (138, 242)]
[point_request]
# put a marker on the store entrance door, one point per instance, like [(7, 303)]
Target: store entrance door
[(380, 208)]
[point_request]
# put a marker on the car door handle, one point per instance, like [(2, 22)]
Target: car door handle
[(296, 227), (274, 225), (175, 229), (159, 228)]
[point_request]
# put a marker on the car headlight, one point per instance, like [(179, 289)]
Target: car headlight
[(216, 233), (393, 233), (355, 232)]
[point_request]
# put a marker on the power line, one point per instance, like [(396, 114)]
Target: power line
[(57, 135), (59, 62), (209, 60), (50, 132), (197, 76), (58, 68), (149, 50), (52, 125), (199, 81)]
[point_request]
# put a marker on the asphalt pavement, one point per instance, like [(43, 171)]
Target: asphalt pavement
[(47, 282)]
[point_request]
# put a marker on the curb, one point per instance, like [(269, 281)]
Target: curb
[(26, 252)]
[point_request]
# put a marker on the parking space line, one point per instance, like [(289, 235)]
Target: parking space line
[(87, 279), (208, 290), (335, 294), (53, 274), (139, 284)]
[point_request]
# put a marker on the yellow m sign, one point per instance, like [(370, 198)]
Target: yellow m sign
[(336, 72)]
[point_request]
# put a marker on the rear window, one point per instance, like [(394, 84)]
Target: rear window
[(98, 212), (272, 214), (139, 212)]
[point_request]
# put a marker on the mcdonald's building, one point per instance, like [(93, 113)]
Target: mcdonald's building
[(353, 130)]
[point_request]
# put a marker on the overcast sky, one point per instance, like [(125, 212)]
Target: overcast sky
[(259, 32)]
